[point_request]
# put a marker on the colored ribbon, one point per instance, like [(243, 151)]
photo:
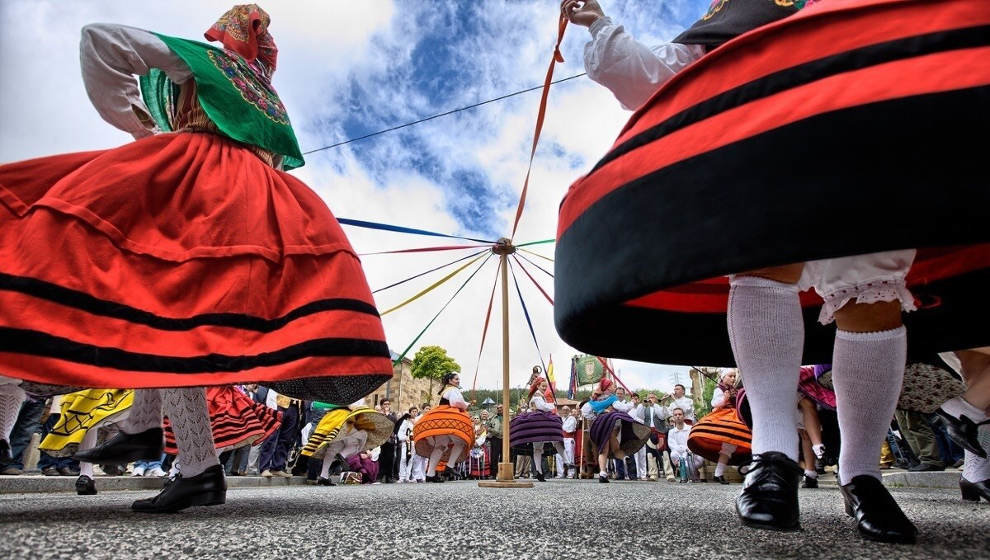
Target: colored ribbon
[(528, 321), (400, 229), (536, 254), (525, 258), (432, 286), (422, 332), (557, 57), (484, 331), (428, 271), (609, 370), (535, 283), (536, 242), (425, 249)]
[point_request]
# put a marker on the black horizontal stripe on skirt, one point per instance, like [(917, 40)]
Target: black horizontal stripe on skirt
[(22, 341), (780, 192), (803, 74), (106, 308)]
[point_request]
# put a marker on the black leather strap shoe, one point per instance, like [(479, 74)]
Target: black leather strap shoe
[(85, 486), (325, 482), (124, 448), (208, 488), (540, 477), (5, 456), (973, 491), (878, 517), (809, 482), (769, 499), (963, 431)]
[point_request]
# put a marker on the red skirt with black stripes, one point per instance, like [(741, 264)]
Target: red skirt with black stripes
[(180, 260), (235, 420), (842, 130)]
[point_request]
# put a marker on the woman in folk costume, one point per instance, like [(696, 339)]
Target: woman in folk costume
[(144, 266), (966, 421), (538, 426), (445, 433), (721, 437), (614, 434), (344, 432), (706, 143), (235, 421), (81, 416)]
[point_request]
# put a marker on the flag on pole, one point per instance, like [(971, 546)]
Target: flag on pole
[(550, 376), (572, 385)]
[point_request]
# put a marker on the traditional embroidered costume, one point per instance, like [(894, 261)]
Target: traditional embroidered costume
[(141, 265), (235, 420), (446, 432), (186, 258), (83, 412), (344, 432), (537, 427)]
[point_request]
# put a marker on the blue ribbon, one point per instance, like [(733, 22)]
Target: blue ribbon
[(400, 229)]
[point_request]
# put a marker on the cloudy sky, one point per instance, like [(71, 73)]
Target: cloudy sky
[(346, 69)]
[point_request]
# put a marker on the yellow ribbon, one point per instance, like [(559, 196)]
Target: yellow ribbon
[(432, 286)]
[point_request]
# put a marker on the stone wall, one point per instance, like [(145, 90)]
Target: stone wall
[(404, 391)]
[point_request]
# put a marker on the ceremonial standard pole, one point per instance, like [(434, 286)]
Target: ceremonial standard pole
[(503, 249)]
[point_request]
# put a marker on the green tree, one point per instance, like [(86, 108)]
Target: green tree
[(432, 362)]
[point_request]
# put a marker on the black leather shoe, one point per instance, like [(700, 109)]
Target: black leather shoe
[(124, 448), (208, 488), (325, 482), (5, 456), (878, 517), (809, 482), (720, 479), (602, 478), (963, 431), (85, 486), (972, 491), (769, 500), (540, 477), (926, 467), (434, 479)]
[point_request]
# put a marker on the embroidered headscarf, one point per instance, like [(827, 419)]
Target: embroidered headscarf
[(727, 19), (244, 30), (605, 385)]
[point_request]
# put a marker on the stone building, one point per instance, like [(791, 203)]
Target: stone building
[(403, 390)]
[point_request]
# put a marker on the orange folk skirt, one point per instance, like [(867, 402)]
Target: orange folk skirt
[(444, 420)]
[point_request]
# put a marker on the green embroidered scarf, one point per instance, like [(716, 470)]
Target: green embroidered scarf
[(242, 106)]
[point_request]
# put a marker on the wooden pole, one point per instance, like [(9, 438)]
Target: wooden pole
[(506, 468)]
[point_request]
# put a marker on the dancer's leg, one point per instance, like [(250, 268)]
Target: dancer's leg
[(187, 410)]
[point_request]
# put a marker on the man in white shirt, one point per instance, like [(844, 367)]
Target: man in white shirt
[(655, 416), (684, 403), (677, 438)]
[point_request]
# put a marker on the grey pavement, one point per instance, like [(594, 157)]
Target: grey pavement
[(557, 519)]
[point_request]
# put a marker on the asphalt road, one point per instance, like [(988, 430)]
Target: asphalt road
[(557, 519)]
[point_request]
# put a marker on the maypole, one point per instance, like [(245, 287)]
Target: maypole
[(504, 479)]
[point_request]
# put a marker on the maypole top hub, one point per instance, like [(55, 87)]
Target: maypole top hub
[(504, 246)]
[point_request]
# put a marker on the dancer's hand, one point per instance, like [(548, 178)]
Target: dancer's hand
[(581, 12)]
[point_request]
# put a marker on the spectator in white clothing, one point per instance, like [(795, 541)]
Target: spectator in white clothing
[(677, 438)]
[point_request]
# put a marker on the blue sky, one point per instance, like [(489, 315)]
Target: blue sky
[(348, 69)]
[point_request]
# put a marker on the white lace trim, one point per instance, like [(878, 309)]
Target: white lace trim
[(870, 292)]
